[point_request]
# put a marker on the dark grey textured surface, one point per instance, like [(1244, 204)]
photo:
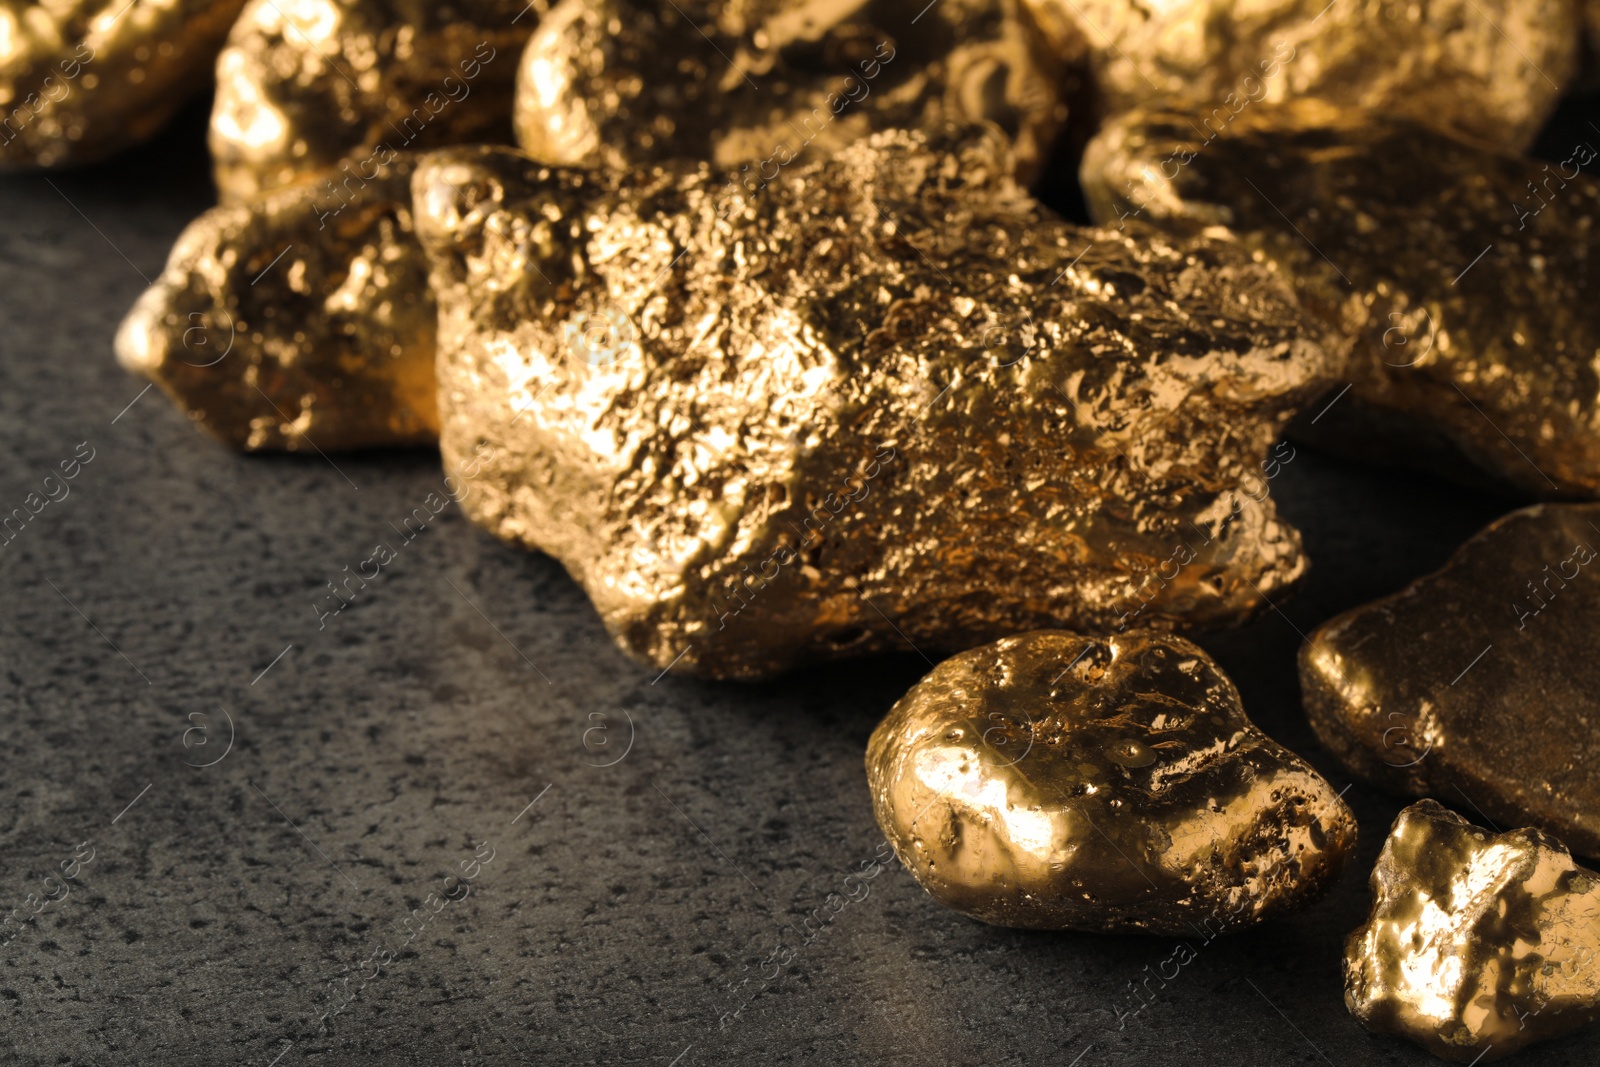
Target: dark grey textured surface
[(621, 913)]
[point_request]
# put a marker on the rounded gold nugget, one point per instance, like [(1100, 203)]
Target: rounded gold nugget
[(1060, 781)]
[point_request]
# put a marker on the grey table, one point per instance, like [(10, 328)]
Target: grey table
[(643, 853)]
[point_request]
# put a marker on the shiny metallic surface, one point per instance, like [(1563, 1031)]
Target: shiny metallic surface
[(889, 402), (1114, 784), (758, 85), (1491, 69), (1477, 684), (1478, 944), (1460, 282), (330, 90), (82, 79), (296, 322)]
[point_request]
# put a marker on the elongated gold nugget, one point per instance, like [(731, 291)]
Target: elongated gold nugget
[(891, 401), (1460, 281), (1066, 782), (330, 90), (82, 79), (1478, 684), (1491, 69), (759, 85), (1478, 944), (296, 322)]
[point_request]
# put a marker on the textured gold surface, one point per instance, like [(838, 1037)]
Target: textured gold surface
[(892, 400), (331, 90), (1478, 684), (81, 79), (1113, 783), (296, 322), (1477, 944), (755, 86), (1463, 281), (1493, 69)]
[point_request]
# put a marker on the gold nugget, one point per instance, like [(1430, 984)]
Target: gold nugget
[(82, 79), (759, 85), (296, 322), (891, 400), (1478, 683), (332, 90), (1460, 281), (1492, 69), (1477, 944), (1110, 784)]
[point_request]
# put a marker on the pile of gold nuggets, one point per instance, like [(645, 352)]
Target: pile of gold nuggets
[(747, 317)]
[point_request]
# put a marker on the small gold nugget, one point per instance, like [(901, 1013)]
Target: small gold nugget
[(334, 89), (1114, 784), (1477, 944), (296, 322), (1460, 281), (767, 83), (1491, 69), (888, 400), (1478, 683), (82, 79)]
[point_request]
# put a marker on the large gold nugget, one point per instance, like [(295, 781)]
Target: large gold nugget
[(1461, 281), (329, 89), (296, 322), (1477, 944), (1114, 784), (767, 83), (1479, 683), (1491, 69), (891, 401), (82, 79)]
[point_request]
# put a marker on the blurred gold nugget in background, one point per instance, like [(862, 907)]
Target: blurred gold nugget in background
[(757, 85), (1493, 69), (1459, 282), (333, 90), (81, 80)]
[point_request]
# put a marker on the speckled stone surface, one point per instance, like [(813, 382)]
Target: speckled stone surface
[(635, 908)]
